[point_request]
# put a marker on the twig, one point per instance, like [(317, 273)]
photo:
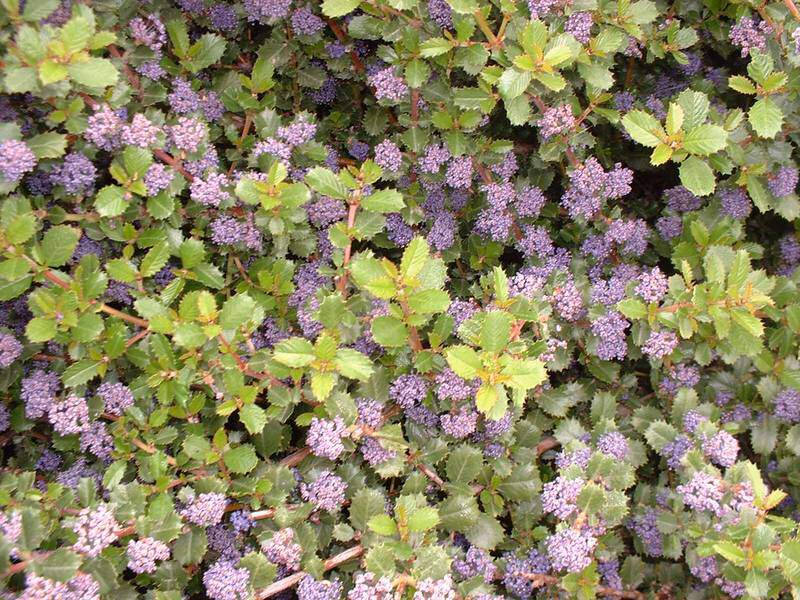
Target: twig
[(292, 580), (539, 580), (792, 8), (133, 78), (152, 450), (342, 37), (341, 283)]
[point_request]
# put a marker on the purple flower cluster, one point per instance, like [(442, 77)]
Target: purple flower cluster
[(749, 34), (652, 285), (311, 589), (10, 349), (557, 120), (117, 397), (435, 589), (76, 174), (104, 128), (735, 203), (610, 332), (325, 437), (281, 549), (69, 416), (206, 509), (614, 444), (660, 344), (96, 529), (367, 587), (460, 424), (645, 526), (16, 159), (210, 191), (571, 549), (703, 492), (787, 406), (326, 492), (305, 22), (408, 390), (387, 85), (722, 449), (476, 562), (143, 554), (224, 581), (590, 185), (560, 496), (579, 24), (784, 182)]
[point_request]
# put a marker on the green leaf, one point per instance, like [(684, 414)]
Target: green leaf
[(464, 361), (643, 128), (597, 75), (253, 417), (154, 260), (94, 73), (696, 176), (237, 310), (179, 37), (81, 372), (464, 464), (659, 434), (110, 201), (205, 52), (262, 572), (327, 183), (632, 308), (765, 117), (383, 525), (48, 145), (513, 83), (40, 329), (389, 332), (434, 47), (487, 532), (366, 503), (339, 8), (423, 519), (417, 73), (495, 331), (705, 140), (39, 9), (591, 499), (383, 201), (295, 352), (414, 258), (695, 107), (51, 72), (351, 363), (241, 459), (58, 244), (190, 547), (741, 84), (75, 34), (61, 565)]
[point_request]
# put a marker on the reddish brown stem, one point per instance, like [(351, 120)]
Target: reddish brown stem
[(341, 283), (342, 37), (539, 580), (792, 8), (292, 580), (133, 78), (173, 162)]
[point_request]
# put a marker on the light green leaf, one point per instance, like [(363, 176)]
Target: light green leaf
[(351, 363), (58, 245), (94, 73), (643, 128), (464, 361), (383, 201), (241, 459), (765, 117), (697, 176), (327, 183), (705, 140), (339, 8)]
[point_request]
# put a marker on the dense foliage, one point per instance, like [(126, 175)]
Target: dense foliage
[(413, 299)]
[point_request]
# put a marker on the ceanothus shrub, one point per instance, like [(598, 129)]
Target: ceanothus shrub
[(399, 299)]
